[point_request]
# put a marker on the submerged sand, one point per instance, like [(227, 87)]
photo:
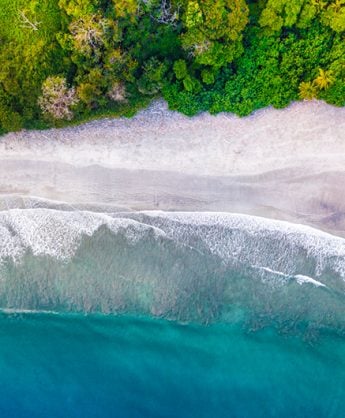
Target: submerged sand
[(285, 164)]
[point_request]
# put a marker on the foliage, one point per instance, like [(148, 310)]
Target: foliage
[(307, 90), (72, 60), (213, 30), (324, 80)]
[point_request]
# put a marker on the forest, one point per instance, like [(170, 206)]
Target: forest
[(67, 61)]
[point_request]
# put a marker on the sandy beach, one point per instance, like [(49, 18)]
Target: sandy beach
[(283, 164)]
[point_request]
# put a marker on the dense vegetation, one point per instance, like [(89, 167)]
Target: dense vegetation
[(63, 61)]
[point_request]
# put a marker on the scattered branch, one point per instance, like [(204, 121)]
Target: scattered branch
[(57, 99), (26, 23), (166, 15), (117, 93), (88, 33)]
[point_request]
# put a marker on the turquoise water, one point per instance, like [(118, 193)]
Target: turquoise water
[(169, 315), (105, 366)]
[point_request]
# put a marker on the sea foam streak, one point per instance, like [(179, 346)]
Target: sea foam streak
[(300, 278), (185, 266)]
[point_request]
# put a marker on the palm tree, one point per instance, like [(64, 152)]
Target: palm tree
[(307, 90), (324, 79)]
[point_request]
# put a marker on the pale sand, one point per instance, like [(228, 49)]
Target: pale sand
[(285, 164)]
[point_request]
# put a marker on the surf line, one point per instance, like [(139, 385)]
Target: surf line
[(300, 278)]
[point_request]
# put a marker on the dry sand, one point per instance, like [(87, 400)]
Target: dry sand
[(285, 164)]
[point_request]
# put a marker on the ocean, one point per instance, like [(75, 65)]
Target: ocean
[(158, 314)]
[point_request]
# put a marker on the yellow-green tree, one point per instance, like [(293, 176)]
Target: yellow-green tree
[(125, 8), (286, 13), (78, 7), (334, 15), (324, 79), (308, 90)]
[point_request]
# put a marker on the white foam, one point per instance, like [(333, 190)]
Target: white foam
[(243, 221), (262, 244), (221, 232), (10, 311), (278, 273), (235, 238), (301, 279), (57, 233)]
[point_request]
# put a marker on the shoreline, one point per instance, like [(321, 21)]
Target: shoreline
[(280, 164)]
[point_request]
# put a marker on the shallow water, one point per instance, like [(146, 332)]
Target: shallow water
[(179, 266), (169, 315)]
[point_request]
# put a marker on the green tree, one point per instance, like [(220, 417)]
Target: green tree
[(152, 80), (180, 69), (10, 120), (214, 30)]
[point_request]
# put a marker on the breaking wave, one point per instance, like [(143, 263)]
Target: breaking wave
[(201, 267)]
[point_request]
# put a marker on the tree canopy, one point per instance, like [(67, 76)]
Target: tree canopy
[(72, 60)]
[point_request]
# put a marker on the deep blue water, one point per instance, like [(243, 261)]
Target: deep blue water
[(122, 366)]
